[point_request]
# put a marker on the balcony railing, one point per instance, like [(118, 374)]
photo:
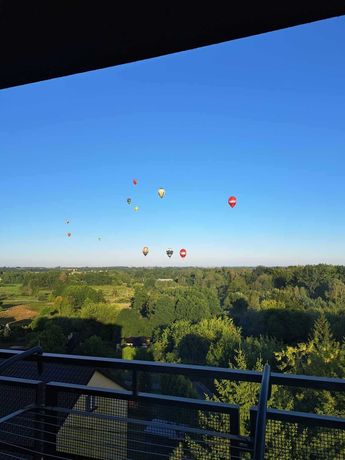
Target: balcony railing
[(101, 420)]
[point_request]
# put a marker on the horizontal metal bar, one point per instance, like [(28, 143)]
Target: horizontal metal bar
[(14, 381), (242, 440), (308, 381), (47, 455), (245, 447), (10, 455), (89, 390), (26, 450), (93, 429), (16, 413), (194, 404), (145, 366), (84, 436), (314, 420), (146, 423), (20, 356)]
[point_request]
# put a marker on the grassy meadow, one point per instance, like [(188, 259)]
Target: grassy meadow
[(19, 305)]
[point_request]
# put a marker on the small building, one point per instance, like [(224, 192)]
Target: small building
[(70, 441), (136, 342)]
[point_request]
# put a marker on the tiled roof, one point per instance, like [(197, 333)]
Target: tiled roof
[(51, 372), (13, 398)]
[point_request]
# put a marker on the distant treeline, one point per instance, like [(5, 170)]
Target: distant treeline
[(280, 302)]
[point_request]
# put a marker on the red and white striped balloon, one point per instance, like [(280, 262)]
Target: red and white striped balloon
[(232, 201), (183, 253)]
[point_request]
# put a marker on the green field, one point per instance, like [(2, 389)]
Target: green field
[(117, 296), (18, 305), (12, 295)]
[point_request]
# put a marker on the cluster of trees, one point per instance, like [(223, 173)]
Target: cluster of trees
[(86, 336), (320, 355), (275, 302), (292, 318), (164, 306)]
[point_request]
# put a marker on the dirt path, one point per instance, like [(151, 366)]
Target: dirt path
[(19, 313)]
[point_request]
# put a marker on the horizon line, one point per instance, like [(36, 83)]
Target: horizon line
[(70, 267)]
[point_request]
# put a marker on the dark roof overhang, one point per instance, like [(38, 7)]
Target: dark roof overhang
[(43, 39)]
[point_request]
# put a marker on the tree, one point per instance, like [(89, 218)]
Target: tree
[(177, 385), (51, 339), (315, 278), (192, 305), (94, 346), (77, 296), (210, 341), (322, 356), (132, 324), (244, 394), (164, 310), (336, 292), (140, 299), (262, 348), (193, 349), (281, 277)]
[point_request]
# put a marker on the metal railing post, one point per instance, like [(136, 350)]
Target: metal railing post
[(51, 429), (135, 382), (38, 422), (260, 427), (235, 452)]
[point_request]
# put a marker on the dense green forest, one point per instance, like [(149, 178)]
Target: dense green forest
[(293, 318)]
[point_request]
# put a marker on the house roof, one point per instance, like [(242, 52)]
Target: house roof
[(51, 372), (14, 398), (140, 338), (43, 39)]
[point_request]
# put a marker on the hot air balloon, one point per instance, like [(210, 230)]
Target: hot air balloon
[(135, 181), (161, 192), (145, 250), (69, 235), (136, 208), (183, 253), (170, 252), (129, 200), (232, 201), (67, 222)]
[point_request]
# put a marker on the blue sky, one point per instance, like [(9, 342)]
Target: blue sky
[(260, 118)]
